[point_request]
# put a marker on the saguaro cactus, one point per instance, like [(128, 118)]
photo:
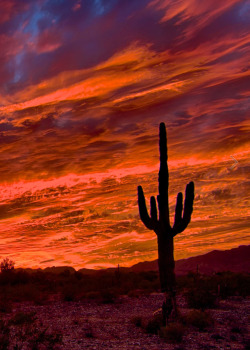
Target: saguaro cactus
[(161, 224)]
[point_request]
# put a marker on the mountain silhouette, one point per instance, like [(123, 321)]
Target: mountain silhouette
[(235, 260)]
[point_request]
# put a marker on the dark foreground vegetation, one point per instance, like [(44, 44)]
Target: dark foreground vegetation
[(201, 293)]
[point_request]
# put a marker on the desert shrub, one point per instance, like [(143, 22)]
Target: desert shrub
[(27, 333), (5, 305), (20, 277), (198, 319), (7, 265), (108, 296), (145, 285), (236, 329), (89, 333), (13, 277), (173, 333), (7, 271), (21, 318), (4, 335), (137, 321), (135, 293), (147, 281), (93, 295), (70, 293), (150, 276), (233, 284), (224, 284), (201, 298), (217, 336), (50, 340), (25, 292), (153, 325)]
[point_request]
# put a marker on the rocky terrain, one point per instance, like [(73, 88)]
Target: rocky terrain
[(91, 325)]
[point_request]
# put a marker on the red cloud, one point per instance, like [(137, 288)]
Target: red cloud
[(49, 40)]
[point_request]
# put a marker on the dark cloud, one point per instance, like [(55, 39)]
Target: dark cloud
[(47, 261), (44, 123), (222, 194), (85, 38)]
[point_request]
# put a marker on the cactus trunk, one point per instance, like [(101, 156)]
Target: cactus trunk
[(161, 224), (166, 263)]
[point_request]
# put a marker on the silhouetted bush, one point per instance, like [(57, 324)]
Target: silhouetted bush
[(136, 293), (108, 297), (89, 333), (28, 333), (39, 286), (4, 335), (198, 319), (232, 284), (48, 340), (26, 292), (70, 293), (21, 277), (201, 291), (5, 305), (93, 295), (201, 298), (21, 318), (137, 321), (153, 325), (173, 333), (236, 329), (224, 284), (7, 265)]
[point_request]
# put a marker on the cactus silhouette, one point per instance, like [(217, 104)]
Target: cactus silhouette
[(161, 224)]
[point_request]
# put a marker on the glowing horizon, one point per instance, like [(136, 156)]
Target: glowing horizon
[(83, 88)]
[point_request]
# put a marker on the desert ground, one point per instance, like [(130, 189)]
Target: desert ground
[(122, 324)]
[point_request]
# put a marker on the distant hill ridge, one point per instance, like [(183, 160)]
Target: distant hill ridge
[(235, 260)]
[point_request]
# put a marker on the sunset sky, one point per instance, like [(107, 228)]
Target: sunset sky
[(83, 87)]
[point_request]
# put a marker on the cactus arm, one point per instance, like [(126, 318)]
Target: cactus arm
[(181, 223), (188, 205), (148, 221), (178, 209), (153, 209)]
